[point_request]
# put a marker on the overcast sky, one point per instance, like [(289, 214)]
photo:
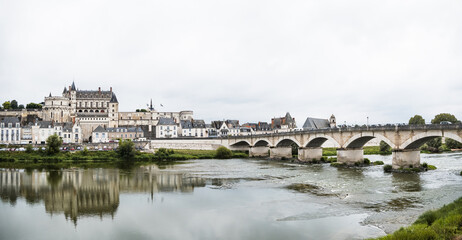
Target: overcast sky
[(246, 60)]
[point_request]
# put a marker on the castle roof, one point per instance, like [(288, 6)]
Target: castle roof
[(65, 90), (166, 121), (316, 123), (100, 129), (12, 120), (113, 98), (94, 94), (73, 86)]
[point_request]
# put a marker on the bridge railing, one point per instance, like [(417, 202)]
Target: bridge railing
[(386, 127)]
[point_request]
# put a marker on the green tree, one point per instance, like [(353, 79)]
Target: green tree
[(53, 144), (29, 148), (417, 119), (7, 105), (223, 153), (21, 106), (453, 144), (14, 104), (85, 151), (33, 106), (434, 144), (126, 149), (444, 117), (384, 147)]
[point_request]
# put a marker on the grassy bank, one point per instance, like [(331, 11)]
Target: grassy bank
[(444, 223), (97, 159), (369, 150)]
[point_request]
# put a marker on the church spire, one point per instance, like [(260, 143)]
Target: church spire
[(73, 86)]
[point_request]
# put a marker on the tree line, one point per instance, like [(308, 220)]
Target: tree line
[(13, 104), (436, 144)]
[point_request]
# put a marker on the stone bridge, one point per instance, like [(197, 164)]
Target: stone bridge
[(405, 141)]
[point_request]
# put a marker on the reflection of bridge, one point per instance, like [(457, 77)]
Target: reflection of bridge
[(404, 140)]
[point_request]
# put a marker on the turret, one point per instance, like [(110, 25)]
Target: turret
[(332, 121)]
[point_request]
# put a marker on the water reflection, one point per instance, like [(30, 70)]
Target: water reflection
[(92, 192), (408, 182)]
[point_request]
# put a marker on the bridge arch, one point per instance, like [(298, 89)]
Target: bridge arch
[(320, 140), (261, 143), (359, 140), (287, 142), (421, 138), (242, 143)]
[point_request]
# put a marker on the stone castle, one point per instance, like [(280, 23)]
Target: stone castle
[(93, 108)]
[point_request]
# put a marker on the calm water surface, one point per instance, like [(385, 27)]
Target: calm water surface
[(222, 199)]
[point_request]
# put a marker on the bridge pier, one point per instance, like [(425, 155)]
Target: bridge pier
[(405, 158), (350, 156), (259, 151), (280, 152), (309, 154)]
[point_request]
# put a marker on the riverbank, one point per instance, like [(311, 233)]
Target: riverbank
[(444, 223), (100, 159)]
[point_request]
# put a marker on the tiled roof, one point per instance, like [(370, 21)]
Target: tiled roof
[(12, 120), (166, 121), (316, 123), (100, 129)]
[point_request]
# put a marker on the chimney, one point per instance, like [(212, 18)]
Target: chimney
[(69, 88), (111, 89), (99, 90)]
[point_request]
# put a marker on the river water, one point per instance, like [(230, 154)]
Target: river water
[(223, 199)]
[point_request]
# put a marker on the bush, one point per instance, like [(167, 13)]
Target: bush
[(424, 165), (126, 149), (85, 151), (367, 161), (453, 144), (431, 167), (332, 159), (460, 173), (240, 155), (29, 148), (387, 168), (53, 144), (384, 147), (223, 153), (336, 164), (378, 163)]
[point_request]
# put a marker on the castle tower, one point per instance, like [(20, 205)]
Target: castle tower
[(332, 121), (113, 111)]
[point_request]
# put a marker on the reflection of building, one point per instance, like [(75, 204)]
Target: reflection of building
[(92, 192)]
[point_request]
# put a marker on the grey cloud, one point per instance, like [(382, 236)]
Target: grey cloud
[(240, 59)]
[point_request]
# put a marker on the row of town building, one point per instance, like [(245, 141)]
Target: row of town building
[(93, 116)]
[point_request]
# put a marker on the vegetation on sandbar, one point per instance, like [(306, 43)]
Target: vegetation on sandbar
[(444, 223)]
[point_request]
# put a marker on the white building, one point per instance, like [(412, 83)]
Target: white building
[(10, 130), (166, 128), (100, 135), (70, 133), (193, 128)]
